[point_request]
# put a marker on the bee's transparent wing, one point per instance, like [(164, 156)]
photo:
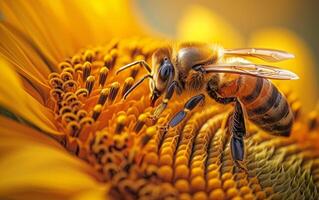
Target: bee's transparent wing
[(271, 55), (251, 69)]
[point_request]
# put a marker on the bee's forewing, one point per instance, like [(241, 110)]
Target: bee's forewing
[(251, 69), (271, 55)]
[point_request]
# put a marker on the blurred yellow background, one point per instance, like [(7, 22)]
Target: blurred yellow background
[(289, 25)]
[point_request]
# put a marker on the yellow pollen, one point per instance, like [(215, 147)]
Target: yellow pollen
[(103, 75), (96, 111), (88, 56), (86, 70), (127, 85), (89, 83), (114, 91), (64, 65)]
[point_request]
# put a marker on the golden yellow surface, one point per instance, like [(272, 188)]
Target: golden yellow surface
[(66, 132)]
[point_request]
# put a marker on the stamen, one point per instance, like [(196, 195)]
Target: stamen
[(69, 98), (65, 76), (56, 94), (103, 96), (120, 141), (53, 75), (69, 70), (69, 85), (68, 117), (140, 122), (96, 111), (76, 59), (150, 132), (56, 82), (86, 121), (64, 65), (120, 123), (113, 91), (78, 68), (114, 55), (65, 109), (86, 70), (73, 128), (88, 56), (68, 95), (76, 105), (127, 85), (103, 75), (89, 84), (82, 93), (108, 61), (81, 114), (134, 71)]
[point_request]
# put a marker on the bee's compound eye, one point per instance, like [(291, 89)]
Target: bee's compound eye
[(164, 73), (165, 70)]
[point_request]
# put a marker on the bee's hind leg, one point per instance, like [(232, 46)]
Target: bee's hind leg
[(189, 105), (238, 131)]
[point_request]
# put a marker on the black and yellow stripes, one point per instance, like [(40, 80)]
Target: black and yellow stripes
[(266, 106), (256, 91)]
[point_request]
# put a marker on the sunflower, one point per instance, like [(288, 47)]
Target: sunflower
[(66, 133)]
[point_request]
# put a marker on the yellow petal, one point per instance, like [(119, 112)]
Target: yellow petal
[(33, 166), (201, 24), (25, 60), (63, 27), (15, 99), (307, 86)]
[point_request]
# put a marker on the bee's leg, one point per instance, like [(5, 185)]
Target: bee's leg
[(189, 105), (211, 89), (199, 68), (222, 100), (238, 131), (143, 63), (161, 107)]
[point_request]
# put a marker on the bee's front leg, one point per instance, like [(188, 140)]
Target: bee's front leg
[(161, 107), (189, 105), (238, 131)]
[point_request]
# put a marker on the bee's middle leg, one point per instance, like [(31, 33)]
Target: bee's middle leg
[(189, 105)]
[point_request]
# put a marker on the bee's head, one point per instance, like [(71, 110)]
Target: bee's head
[(163, 72)]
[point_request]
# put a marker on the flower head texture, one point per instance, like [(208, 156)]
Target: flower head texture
[(67, 133)]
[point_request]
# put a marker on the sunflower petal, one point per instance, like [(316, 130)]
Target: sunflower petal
[(15, 99), (66, 26), (26, 61), (33, 166)]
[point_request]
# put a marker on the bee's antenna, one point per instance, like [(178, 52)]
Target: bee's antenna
[(142, 62), (137, 84)]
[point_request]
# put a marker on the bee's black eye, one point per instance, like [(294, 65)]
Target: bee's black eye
[(165, 70)]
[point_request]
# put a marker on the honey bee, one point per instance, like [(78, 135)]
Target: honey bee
[(225, 76)]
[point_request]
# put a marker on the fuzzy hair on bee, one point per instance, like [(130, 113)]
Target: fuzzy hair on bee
[(228, 78)]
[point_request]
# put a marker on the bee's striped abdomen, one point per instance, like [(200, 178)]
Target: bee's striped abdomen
[(265, 105)]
